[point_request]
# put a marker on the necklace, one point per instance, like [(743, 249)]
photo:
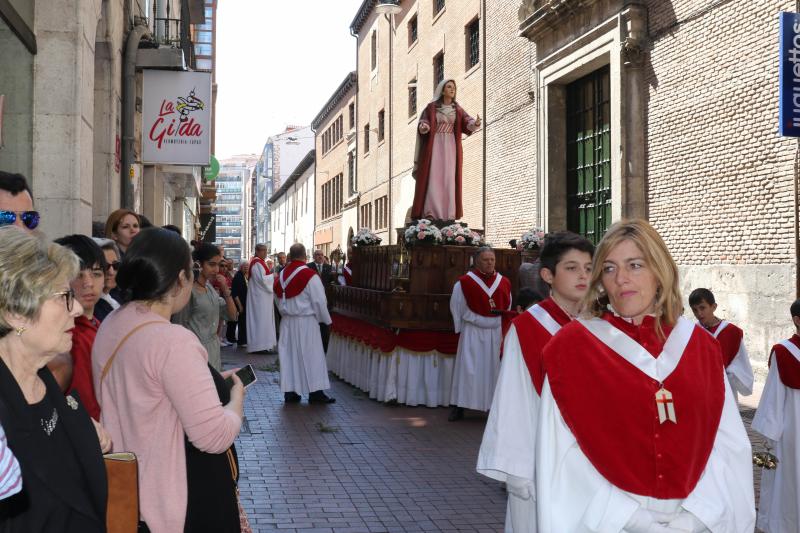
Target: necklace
[(49, 425)]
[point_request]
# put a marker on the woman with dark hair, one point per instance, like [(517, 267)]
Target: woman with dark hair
[(107, 302), (157, 391), (87, 286), (438, 156), (206, 306)]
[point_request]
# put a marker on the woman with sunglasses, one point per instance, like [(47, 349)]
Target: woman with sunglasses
[(55, 441), (107, 302)]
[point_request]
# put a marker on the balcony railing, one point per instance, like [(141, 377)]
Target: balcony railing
[(167, 31)]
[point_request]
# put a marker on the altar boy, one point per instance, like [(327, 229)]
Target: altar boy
[(507, 452), (730, 337), (778, 419)]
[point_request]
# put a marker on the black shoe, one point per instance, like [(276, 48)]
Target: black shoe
[(320, 397), (291, 397), (457, 413)]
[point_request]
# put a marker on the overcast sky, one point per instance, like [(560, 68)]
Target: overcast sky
[(278, 62)]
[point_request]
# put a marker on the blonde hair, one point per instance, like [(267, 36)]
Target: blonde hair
[(668, 304), (113, 220), (30, 269)]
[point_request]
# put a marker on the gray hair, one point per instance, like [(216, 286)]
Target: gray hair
[(107, 244), (260, 247), (30, 269), (481, 250)]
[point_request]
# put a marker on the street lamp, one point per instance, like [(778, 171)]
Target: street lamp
[(388, 7)]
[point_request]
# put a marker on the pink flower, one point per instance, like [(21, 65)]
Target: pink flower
[(422, 226), (459, 239), (421, 235), (449, 233)]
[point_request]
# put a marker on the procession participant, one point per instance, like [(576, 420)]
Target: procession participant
[(302, 302), (87, 287), (239, 293), (281, 262), (260, 310), (346, 277), (778, 419), (478, 297), (638, 430), (507, 452), (206, 307), (438, 156), (322, 268), (730, 337)]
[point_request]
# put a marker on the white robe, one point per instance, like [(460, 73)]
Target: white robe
[(302, 359), (507, 450), (740, 371), (261, 333), (778, 419), (478, 356), (572, 496)]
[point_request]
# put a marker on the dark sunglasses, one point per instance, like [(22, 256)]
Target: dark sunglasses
[(114, 265), (69, 298), (29, 218)]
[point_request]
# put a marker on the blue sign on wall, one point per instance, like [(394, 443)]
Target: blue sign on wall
[(790, 75)]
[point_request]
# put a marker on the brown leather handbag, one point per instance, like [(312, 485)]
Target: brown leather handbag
[(122, 471)]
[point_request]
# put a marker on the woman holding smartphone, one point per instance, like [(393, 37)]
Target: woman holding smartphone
[(160, 398)]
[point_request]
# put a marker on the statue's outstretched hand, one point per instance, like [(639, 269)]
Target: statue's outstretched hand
[(424, 128), (477, 121)]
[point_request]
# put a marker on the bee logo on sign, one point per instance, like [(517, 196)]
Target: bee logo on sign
[(789, 108)]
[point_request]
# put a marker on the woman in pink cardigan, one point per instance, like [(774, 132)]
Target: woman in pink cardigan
[(158, 388)]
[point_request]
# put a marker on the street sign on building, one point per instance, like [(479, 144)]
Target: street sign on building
[(789, 108), (176, 117)]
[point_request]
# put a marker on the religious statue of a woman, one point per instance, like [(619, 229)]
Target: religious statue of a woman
[(438, 156)]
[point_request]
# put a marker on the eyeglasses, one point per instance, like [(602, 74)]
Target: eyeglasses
[(69, 298), (114, 265), (29, 218)]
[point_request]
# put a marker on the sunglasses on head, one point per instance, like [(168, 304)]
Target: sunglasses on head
[(29, 218)]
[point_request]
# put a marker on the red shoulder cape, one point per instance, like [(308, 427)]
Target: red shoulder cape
[(297, 284), (609, 406), (257, 261), (478, 300), (424, 164), (347, 272), (788, 365), (533, 337), (730, 339)]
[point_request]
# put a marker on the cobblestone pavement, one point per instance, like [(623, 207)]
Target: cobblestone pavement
[(361, 466)]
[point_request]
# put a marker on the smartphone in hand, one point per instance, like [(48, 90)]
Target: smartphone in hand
[(246, 374)]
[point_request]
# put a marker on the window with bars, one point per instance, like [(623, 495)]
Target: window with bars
[(382, 213), (366, 215), (438, 5), (412, 97), (374, 50), (381, 125), (332, 196), (589, 155), (438, 69), (333, 134), (412, 30), (473, 47), (366, 138)]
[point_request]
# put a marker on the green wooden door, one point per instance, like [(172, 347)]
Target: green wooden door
[(589, 155)]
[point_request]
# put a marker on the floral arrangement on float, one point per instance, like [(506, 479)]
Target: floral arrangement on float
[(532, 239), (422, 231), (366, 237), (460, 235)]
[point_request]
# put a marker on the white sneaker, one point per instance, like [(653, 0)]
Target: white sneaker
[(224, 343)]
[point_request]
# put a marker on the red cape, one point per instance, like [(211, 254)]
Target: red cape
[(478, 300), (609, 406), (257, 261), (533, 337), (297, 284), (730, 339), (424, 163), (347, 273), (82, 340), (788, 365)]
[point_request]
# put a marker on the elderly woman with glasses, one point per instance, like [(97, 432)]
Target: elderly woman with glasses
[(107, 302), (55, 441)]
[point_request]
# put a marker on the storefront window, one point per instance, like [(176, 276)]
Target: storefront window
[(16, 112)]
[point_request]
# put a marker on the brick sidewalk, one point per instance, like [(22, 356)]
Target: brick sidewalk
[(361, 466)]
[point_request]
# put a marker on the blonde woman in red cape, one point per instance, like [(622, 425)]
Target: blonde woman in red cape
[(438, 156), (638, 428)]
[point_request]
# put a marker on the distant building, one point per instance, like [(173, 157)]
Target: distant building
[(281, 155), (292, 209), (232, 209)]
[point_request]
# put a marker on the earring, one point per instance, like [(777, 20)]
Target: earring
[(20, 330)]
